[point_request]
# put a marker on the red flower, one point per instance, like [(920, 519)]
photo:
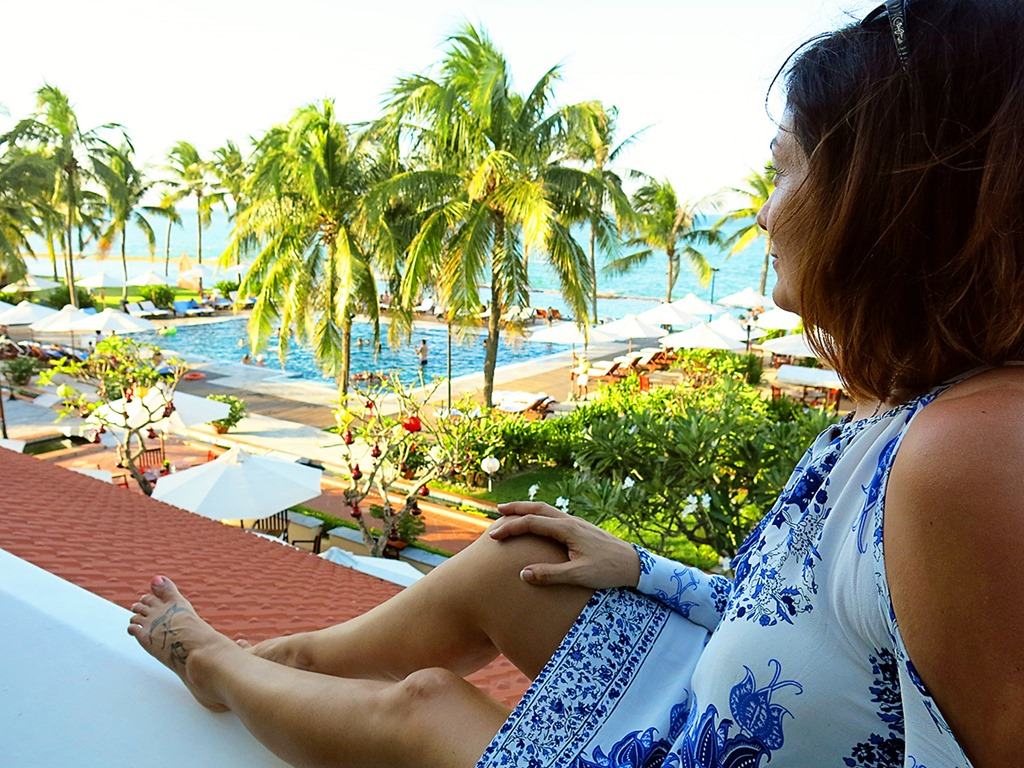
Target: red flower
[(347, 437), (423, 491), (375, 451), (369, 405), (356, 513), (356, 472), (412, 424)]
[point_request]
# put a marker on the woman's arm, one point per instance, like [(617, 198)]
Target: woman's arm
[(698, 596), (954, 556)]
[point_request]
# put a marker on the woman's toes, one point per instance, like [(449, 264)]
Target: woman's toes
[(148, 599), (137, 618), (141, 609), (243, 643), (164, 588)]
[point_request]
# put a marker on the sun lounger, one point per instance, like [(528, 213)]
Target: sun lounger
[(189, 308), (529, 405), (427, 306), (153, 310), (248, 303), (220, 302), (603, 370)]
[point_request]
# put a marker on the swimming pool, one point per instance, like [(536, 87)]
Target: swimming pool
[(227, 341)]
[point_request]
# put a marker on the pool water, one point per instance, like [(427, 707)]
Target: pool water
[(227, 341)]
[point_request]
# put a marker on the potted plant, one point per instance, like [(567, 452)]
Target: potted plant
[(236, 413), (19, 370)]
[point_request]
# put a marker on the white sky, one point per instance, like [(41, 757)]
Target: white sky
[(695, 71)]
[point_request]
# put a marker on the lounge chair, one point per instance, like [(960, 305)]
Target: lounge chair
[(628, 363), (220, 302), (426, 306), (556, 315), (247, 303), (189, 308), (153, 310), (529, 405)]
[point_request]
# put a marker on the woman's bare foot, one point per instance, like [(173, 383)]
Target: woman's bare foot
[(167, 626)]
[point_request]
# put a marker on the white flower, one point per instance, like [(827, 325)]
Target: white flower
[(575, 465), (533, 491), (627, 483), (725, 563), (632, 430), (690, 507), (562, 503), (705, 501)]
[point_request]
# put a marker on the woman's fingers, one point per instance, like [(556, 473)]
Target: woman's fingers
[(530, 508), (550, 573), (536, 524)]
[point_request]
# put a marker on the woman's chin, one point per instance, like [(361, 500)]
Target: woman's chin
[(783, 300)]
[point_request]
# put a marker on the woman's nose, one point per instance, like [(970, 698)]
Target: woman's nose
[(762, 216)]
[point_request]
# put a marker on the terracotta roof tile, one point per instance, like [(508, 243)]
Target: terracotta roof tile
[(111, 542)]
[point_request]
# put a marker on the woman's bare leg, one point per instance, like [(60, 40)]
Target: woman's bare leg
[(459, 617), (431, 718)]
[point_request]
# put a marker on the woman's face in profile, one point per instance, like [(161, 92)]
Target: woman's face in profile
[(790, 165)]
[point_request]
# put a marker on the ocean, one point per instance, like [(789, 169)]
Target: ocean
[(618, 295)]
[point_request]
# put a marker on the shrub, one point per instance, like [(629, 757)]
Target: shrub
[(58, 297), (161, 295), (235, 415), (225, 287), (19, 370)]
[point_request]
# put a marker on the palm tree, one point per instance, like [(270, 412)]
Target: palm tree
[(490, 184), (665, 224), (591, 141), (125, 186), (311, 274), (191, 177), (25, 180), (231, 170), (72, 154), (759, 187), (167, 210)]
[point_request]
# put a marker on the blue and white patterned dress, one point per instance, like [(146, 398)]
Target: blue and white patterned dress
[(797, 661)]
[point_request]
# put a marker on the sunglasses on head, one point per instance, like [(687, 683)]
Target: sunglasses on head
[(896, 13)]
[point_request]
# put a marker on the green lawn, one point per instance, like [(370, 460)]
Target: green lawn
[(516, 487), (112, 299)]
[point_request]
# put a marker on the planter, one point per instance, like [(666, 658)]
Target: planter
[(220, 429)]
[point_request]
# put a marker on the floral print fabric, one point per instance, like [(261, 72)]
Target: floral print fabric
[(796, 661)]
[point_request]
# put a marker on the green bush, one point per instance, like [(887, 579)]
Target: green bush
[(161, 295), (19, 370), (237, 411), (225, 287), (58, 297)]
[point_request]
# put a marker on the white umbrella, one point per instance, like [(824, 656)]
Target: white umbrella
[(394, 571), (668, 314), (794, 345), (702, 336), (730, 327), (239, 486), (693, 305), (567, 333), (189, 410), (111, 320), (779, 320), (25, 313), (235, 270), (28, 284), (60, 322), (748, 298), (148, 278), (631, 327), (197, 273), (102, 279)]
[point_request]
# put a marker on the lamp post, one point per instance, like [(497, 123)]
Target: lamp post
[(490, 465)]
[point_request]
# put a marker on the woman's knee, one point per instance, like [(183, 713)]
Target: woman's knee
[(416, 695), (513, 553)]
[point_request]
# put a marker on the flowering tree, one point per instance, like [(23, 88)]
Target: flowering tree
[(392, 454), (125, 389)]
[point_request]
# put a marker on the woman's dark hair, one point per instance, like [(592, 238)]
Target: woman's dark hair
[(913, 209)]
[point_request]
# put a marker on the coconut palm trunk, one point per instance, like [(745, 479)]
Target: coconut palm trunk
[(167, 248), (346, 352), (764, 267), (69, 264), (494, 319), (593, 268), (671, 254), (124, 265)]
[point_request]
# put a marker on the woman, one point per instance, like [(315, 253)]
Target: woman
[(873, 620)]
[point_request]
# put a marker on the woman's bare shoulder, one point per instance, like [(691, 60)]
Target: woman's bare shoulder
[(954, 540)]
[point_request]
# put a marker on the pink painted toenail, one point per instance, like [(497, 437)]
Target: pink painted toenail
[(158, 581)]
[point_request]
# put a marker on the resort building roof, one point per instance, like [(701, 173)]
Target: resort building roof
[(111, 542)]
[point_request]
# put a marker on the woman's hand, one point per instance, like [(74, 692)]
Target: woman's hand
[(597, 559)]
